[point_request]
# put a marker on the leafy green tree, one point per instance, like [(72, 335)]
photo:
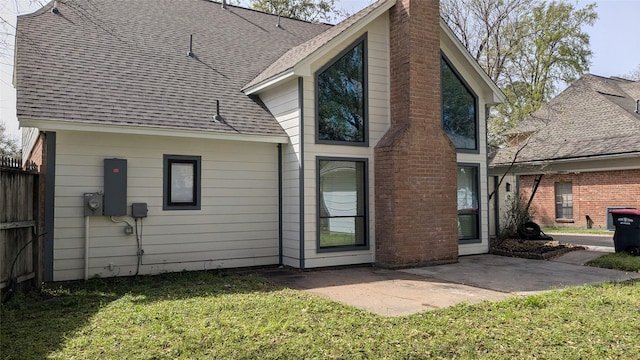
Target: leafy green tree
[(527, 47), (307, 10)]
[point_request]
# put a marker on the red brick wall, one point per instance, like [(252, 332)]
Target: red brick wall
[(592, 192), (415, 163)]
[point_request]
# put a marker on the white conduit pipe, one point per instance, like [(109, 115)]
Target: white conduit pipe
[(86, 248)]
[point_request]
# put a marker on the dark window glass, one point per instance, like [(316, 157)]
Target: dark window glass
[(459, 111), (468, 214), (564, 200), (341, 98), (342, 204), (181, 182)]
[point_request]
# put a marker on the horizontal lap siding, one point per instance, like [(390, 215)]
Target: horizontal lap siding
[(283, 103), (378, 122), (236, 226)]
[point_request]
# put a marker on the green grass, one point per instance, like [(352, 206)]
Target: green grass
[(206, 315), (618, 261), (573, 230)]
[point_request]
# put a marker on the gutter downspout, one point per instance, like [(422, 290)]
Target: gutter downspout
[(301, 174), (280, 262)]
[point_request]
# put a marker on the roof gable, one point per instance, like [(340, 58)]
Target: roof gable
[(126, 63), (304, 53)]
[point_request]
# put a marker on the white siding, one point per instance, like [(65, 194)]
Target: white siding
[(283, 103), (378, 122), (236, 226), (29, 138)]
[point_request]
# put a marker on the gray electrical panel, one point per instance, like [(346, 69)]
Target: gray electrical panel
[(115, 187)]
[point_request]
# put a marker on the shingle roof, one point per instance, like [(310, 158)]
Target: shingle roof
[(592, 117), (125, 63), (296, 54)]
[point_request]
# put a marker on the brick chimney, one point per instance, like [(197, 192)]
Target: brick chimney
[(415, 163)]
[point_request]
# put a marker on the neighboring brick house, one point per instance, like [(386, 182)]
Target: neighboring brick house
[(252, 139), (586, 145)]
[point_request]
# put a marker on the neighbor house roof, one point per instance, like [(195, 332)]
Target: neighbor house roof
[(126, 63), (594, 117)]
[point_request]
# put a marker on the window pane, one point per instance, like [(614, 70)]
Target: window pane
[(468, 215), (182, 183), (341, 98), (564, 200), (342, 203), (458, 109)]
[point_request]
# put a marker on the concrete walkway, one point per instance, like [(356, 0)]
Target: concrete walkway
[(473, 279)]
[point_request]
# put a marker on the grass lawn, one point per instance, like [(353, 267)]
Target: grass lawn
[(571, 230), (210, 315), (618, 261)]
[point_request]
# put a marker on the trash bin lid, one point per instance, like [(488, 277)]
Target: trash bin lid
[(626, 212)]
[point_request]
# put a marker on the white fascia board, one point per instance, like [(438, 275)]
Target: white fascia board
[(498, 96), (57, 125), (303, 68), (269, 82)]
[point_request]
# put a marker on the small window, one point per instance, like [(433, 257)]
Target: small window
[(342, 204), (468, 212), (459, 109), (564, 200), (341, 98), (181, 182)]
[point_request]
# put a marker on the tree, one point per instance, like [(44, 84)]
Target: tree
[(633, 74), (8, 144), (307, 10), (527, 47)]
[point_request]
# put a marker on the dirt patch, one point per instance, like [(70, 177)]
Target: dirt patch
[(532, 249)]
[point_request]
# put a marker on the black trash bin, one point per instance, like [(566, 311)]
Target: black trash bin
[(627, 234)]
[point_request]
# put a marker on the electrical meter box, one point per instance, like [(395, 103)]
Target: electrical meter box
[(139, 210), (92, 204), (115, 187)]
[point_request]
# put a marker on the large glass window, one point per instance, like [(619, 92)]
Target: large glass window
[(459, 109), (468, 214), (342, 204), (564, 200), (341, 98), (181, 182)]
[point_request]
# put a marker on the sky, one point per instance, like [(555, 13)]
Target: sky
[(615, 42)]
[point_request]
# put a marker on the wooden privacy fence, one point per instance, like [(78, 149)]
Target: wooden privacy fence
[(21, 251)]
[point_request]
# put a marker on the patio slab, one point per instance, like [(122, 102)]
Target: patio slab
[(473, 279)]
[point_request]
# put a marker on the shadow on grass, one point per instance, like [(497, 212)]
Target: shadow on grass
[(38, 323)]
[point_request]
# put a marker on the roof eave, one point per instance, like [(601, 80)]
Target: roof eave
[(62, 125), (303, 67), (548, 163), (269, 82)]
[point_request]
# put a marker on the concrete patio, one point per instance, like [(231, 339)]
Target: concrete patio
[(471, 280)]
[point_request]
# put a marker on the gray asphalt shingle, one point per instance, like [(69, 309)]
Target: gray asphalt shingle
[(125, 62), (594, 116)]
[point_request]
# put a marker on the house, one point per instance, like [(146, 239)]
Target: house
[(584, 149), (191, 135)]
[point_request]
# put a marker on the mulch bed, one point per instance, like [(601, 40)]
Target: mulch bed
[(532, 249)]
